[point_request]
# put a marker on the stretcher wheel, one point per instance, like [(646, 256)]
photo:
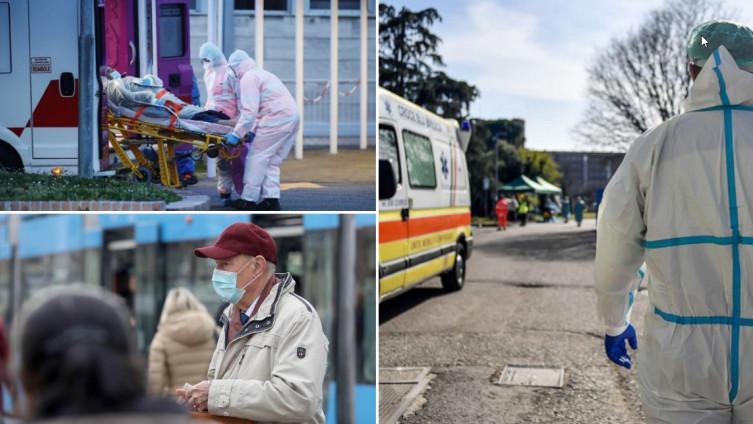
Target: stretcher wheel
[(197, 154), (146, 175), (213, 151)]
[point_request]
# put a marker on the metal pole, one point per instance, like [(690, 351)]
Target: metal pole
[(213, 22), (143, 39), (334, 89), (346, 318), (364, 80), (155, 55), (299, 75), (228, 26), (86, 91), (14, 226), (259, 34)]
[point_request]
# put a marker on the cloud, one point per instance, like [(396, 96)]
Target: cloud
[(501, 51)]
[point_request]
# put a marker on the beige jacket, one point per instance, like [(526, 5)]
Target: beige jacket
[(181, 351), (273, 370)]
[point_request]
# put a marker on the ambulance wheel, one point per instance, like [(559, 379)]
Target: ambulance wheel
[(9, 159), (454, 279)]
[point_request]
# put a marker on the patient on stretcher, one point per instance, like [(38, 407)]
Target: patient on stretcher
[(146, 99)]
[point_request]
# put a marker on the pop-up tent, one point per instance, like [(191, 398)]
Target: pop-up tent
[(524, 184)]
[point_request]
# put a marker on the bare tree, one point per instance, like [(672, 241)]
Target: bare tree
[(640, 80)]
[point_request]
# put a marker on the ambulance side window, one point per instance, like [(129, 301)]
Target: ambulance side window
[(5, 38), (388, 149), (420, 159)]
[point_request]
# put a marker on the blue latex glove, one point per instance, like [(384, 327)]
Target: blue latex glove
[(615, 347), (231, 139)]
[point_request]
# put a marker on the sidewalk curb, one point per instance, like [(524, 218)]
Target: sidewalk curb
[(190, 203), (81, 205)]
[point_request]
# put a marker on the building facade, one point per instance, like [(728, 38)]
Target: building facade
[(586, 174), (279, 57)]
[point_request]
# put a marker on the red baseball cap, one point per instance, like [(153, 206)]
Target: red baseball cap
[(241, 238)]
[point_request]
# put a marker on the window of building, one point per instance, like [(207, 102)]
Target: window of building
[(420, 159), (5, 38), (343, 5), (269, 5)]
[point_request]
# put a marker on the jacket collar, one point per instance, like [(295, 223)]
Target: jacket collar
[(265, 316), (720, 82)]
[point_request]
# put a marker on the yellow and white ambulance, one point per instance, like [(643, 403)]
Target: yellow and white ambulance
[(424, 208)]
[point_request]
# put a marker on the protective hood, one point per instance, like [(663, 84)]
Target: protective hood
[(241, 63), (188, 327), (212, 53), (706, 89)]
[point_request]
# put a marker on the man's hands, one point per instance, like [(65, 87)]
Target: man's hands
[(197, 396), (615, 347)]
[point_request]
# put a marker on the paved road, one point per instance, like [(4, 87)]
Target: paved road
[(319, 182), (528, 300)]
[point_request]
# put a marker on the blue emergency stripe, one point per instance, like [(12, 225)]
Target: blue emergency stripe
[(734, 241)]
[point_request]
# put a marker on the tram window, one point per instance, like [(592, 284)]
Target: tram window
[(171, 34)]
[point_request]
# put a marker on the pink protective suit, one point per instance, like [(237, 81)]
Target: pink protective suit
[(268, 109), (221, 85)]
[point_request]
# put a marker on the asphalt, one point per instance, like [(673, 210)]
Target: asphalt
[(528, 300), (319, 182)]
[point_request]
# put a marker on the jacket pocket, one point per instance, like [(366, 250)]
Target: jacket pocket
[(257, 358)]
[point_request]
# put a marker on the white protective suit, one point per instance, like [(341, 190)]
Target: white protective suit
[(268, 109), (221, 86), (682, 199)]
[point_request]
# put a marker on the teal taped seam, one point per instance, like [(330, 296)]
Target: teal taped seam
[(703, 320)]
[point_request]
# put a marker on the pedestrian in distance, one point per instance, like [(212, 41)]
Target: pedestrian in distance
[(580, 209), (681, 201), (501, 210), (566, 209), (183, 345), (523, 209)]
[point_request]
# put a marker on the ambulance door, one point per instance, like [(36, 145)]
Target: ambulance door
[(393, 217), (14, 72), (53, 47)]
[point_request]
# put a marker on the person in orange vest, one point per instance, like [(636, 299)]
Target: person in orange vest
[(501, 210)]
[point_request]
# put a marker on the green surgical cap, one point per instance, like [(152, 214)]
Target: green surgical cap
[(738, 40)]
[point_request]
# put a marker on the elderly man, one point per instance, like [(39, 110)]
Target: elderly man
[(271, 357), (682, 200), (269, 110)]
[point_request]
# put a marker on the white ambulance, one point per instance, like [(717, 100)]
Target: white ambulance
[(424, 208), (38, 81)]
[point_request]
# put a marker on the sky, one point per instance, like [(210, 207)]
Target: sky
[(529, 57)]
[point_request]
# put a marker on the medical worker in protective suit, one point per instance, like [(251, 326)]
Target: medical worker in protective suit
[(682, 200), (221, 85), (269, 111)]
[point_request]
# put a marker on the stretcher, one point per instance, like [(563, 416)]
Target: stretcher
[(131, 131)]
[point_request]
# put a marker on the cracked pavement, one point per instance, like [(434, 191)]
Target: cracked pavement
[(528, 300)]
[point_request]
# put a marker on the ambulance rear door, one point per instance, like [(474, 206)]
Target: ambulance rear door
[(53, 48)]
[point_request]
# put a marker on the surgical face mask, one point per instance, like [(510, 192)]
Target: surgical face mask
[(224, 284)]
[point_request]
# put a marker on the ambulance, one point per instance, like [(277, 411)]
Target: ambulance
[(424, 207), (39, 59)]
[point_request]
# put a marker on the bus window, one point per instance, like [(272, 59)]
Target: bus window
[(388, 149), (171, 31)]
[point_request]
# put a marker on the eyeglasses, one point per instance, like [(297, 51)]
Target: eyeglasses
[(206, 60)]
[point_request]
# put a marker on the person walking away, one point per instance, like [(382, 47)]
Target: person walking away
[(681, 201), (268, 110), (566, 209), (523, 211), (580, 208), (183, 345), (501, 210)]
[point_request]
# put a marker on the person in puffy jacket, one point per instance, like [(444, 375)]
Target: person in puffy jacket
[(183, 346)]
